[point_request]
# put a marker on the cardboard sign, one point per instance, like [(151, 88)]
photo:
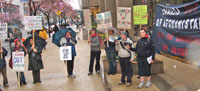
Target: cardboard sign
[(66, 53), (124, 18), (3, 30), (87, 19), (33, 22), (104, 20), (18, 61), (140, 15)]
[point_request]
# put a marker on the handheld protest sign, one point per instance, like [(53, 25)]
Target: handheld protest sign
[(18, 64), (66, 53)]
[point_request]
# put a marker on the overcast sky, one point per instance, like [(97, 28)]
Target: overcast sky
[(75, 4)]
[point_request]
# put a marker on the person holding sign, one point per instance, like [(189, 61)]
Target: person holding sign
[(95, 52), (3, 54), (35, 60), (111, 52), (125, 58), (19, 48), (69, 40), (145, 56)]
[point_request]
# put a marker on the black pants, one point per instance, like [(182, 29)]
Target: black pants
[(36, 75), (144, 68), (93, 55), (70, 66), (4, 74), (22, 77), (127, 69)]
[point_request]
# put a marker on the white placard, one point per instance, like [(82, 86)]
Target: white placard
[(18, 61), (33, 22), (66, 53), (104, 20), (3, 31), (149, 59), (124, 18), (87, 19)]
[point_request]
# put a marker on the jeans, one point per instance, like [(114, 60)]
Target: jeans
[(111, 55), (127, 69), (93, 55)]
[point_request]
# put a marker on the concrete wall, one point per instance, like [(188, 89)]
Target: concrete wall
[(90, 3)]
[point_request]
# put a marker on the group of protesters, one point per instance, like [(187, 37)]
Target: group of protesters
[(123, 47)]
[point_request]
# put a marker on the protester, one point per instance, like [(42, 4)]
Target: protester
[(55, 29), (111, 52), (68, 40), (43, 34), (35, 61), (19, 48), (95, 52), (144, 49), (125, 58), (146, 29), (4, 53)]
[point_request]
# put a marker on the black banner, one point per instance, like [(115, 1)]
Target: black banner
[(176, 27)]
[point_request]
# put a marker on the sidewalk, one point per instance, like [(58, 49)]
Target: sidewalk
[(53, 76), (178, 76)]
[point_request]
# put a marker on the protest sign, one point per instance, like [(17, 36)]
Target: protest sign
[(87, 19), (104, 20), (140, 15), (3, 31), (66, 53), (177, 27), (33, 22), (124, 18), (18, 61)]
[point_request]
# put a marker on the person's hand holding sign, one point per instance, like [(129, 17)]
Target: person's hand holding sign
[(34, 50)]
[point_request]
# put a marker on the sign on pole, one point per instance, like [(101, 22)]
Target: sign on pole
[(66, 53), (87, 19), (33, 22), (3, 30), (104, 20), (140, 15), (124, 18), (18, 61)]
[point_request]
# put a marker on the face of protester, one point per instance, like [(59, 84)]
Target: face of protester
[(110, 32), (18, 44), (146, 28), (68, 34), (93, 32), (123, 36), (142, 33), (31, 41)]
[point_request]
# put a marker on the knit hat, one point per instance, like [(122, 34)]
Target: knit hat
[(124, 32)]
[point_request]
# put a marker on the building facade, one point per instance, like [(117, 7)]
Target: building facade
[(97, 6)]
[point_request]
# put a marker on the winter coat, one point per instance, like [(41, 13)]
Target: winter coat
[(95, 43), (145, 48), (124, 53), (69, 42), (3, 61), (35, 59), (43, 34)]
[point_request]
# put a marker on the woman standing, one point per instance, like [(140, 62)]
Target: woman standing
[(111, 53), (95, 52), (19, 48), (144, 49), (68, 40), (125, 58), (35, 61)]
